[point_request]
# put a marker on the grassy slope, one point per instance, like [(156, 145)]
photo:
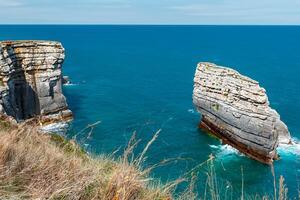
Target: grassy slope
[(35, 165)]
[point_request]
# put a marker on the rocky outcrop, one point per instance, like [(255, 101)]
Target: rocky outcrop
[(236, 109), (31, 81)]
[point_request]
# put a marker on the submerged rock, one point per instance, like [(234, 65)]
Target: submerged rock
[(31, 81), (66, 80), (236, 109)]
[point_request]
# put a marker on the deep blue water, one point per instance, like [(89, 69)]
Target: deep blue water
[(140, 78)]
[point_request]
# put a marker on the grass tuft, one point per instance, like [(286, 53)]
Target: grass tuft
[(41, 166)]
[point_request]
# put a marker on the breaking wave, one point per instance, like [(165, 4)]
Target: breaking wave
[(284, 150), (59, 128), (287, 149), (224, 151)]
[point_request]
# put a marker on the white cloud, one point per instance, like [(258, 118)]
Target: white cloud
[(266, 11), (151, 11), (10, 3)]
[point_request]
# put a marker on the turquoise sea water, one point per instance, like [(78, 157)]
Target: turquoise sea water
[(140, 78)]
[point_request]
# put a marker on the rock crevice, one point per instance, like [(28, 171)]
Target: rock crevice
[(31, 81), (236, 109)]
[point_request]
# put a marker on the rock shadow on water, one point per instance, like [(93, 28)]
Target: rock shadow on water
[(75, 98)]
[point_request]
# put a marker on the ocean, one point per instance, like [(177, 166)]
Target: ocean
[(140, 79)]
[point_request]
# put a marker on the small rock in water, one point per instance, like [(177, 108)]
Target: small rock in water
[(66, 80)]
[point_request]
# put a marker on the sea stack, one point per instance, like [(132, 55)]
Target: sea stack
[(31, 81), (237, 110)]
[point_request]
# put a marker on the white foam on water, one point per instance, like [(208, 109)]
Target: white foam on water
[(290, 149), (225, 151), (70, 84), (214, 146), (191, 110), (286, 151), (59, 128)]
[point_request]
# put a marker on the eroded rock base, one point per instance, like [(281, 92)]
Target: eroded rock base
[(226, 138)]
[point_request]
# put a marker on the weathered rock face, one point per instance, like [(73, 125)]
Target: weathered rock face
[(236, 109), (31, 81)]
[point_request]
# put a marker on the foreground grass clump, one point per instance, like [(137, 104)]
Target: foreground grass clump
[(40, 166)]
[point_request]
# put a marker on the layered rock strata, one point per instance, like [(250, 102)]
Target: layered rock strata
[(236, 109), (31, 81)]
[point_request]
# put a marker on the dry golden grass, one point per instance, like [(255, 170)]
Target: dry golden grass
[(40, 166), (34, 165)]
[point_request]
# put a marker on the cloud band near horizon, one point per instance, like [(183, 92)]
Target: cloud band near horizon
[(150, 12)]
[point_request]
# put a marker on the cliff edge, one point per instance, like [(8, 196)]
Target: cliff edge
[(237, 110), (31, 81)]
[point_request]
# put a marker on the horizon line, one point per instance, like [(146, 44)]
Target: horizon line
[(115, 24)]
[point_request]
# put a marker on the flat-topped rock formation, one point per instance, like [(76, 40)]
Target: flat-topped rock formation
[(31, 81), (236, 109)]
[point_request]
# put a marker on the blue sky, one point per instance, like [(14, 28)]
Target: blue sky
[(150, 11)]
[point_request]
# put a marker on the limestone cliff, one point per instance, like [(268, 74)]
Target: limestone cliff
[(31, 81), (236, 109)]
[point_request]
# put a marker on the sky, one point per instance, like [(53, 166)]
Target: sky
[(282, 12)]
